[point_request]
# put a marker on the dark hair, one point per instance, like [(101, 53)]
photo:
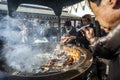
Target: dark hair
[(42, 22), (96, 1), (67, 23), (92, 0), (88, 17)]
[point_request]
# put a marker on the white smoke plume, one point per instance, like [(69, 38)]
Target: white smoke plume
[(18, 48)]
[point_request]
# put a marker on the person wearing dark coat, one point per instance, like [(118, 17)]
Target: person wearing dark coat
[(68, 33), (108, 47), (86, 20), (107, 12)]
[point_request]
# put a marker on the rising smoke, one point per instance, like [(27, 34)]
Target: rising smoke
[(20, 51)]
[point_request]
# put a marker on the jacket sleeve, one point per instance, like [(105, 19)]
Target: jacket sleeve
[(108, 46)]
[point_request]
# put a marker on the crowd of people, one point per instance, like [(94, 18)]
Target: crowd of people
[(75, 34), (29, 32), (107, 13), (106, 45)]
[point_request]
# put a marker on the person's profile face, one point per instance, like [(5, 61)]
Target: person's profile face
[(101, 11), (85, 21)]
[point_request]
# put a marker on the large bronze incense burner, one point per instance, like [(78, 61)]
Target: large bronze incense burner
[(77, 62)]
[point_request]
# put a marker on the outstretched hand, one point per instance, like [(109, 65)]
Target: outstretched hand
[(67, 39)]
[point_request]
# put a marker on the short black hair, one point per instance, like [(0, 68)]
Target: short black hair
[(92, 0), (67, 23), (88, 17), (96, 1)]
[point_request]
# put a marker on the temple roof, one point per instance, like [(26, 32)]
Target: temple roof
[(56, 5)]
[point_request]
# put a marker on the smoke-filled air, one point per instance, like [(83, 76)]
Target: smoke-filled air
[(25, 43)]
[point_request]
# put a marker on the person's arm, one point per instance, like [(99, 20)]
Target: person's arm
[(99, 49), (71, 38)]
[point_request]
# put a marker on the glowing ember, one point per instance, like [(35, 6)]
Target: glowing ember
[(65, 58), (27, 51)]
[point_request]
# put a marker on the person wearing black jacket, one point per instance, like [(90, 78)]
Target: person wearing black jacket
[(81, 38), (107, 12), (69, 34)]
